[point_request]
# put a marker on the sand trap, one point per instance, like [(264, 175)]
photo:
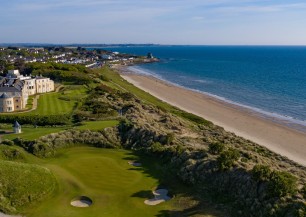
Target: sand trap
[(4, 215), (134, 163), (160, 196), (81, 201)]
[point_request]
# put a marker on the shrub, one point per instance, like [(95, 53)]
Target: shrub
[(125, 125), (7, 142), (40, 120), (304, 190), (282, 183), (156, 147), (169, 138), (98, 108), (216, 148), (126, 95), (12, 154), (104, 78), (101, 89), (227, 159), (43, 150), (261, 173), (301, 212)]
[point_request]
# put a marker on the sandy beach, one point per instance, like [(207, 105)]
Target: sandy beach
[(245, 123)]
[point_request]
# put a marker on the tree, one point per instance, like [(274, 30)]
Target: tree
[(20, 65)]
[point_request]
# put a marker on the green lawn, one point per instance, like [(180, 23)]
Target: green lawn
[(105, 176), (50, 104), (97, 125), (62, 102), (31, 133)]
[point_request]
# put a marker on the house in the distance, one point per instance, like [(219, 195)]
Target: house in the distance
[(15, 90)]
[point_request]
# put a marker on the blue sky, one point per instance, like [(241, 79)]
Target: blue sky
[(207, 22)]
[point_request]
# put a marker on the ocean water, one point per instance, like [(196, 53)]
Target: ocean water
[(270, 80)]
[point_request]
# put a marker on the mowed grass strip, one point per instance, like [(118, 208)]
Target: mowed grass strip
[(50, 104), (54, 104), (32, 133), (97, 125), (105, 176)]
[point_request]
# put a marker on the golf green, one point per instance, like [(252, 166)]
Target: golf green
[(115, 187)]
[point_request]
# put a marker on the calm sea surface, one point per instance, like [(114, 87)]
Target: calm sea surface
[(268, 79)]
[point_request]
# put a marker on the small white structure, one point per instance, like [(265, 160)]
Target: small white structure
[(17, 128)]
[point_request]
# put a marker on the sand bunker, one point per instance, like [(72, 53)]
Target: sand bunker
[(81, 201), (4, 215), (134, 163), (160, 195)]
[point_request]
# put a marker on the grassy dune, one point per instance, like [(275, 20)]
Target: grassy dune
[(23, 183), (117, 82)]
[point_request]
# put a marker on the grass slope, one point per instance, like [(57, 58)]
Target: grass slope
[(115, 81), (21, 184), (97, 125)]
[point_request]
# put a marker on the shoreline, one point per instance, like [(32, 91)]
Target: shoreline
[(243, 122)]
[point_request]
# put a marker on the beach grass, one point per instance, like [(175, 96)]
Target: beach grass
[(116, 80)]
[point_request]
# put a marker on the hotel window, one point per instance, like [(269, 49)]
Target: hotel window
[(16, 100)]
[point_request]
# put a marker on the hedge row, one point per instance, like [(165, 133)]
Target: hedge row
[(39, 120)]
